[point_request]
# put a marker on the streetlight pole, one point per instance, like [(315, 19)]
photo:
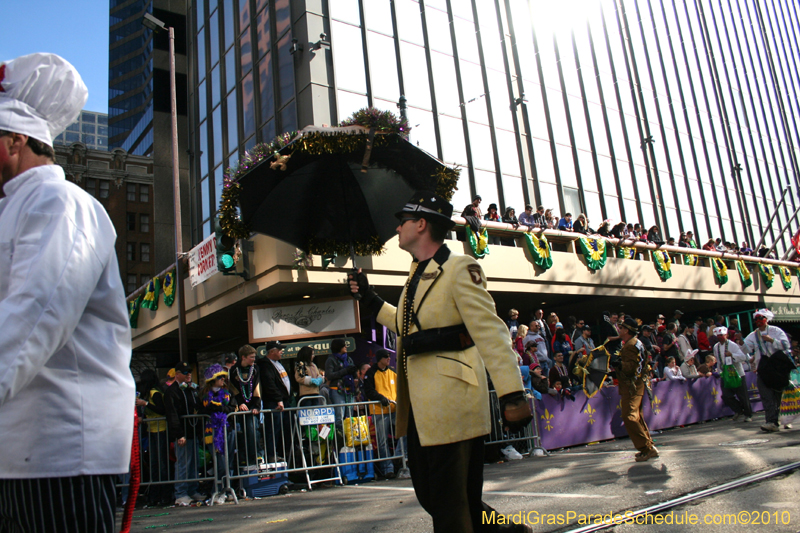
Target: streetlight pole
[(157, 25)]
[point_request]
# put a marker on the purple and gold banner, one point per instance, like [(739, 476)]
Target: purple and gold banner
[(565, 423)]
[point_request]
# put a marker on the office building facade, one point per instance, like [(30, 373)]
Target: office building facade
[(676, 114), (90, 128)]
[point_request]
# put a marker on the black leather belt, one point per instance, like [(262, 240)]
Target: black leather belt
[(449, 339)]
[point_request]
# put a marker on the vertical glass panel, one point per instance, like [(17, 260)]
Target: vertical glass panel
[(229, 17), (213, 45), (444, 77), (282, 16), (572, 202), (212, 5), (422, 132), (383, 62), (230, 70), (607, 175), (507, 152), (233, 123), (587, 170), (285, 70), (200, 15), (474, 93), (346, 10), (549, 198), (481, 144), (201, 54), (244, 14), (263, 32), (218, 182), (501, 104), (202, 102), (205, 201), (579, 129), (465, 39), (566, 166), (438, 30), (216, 125), (268, 131), (535, 110), (379, 16), (415, 75), (486, 186), (204, 154), (409, 21), (490, 35), (248, 105), (612, 209), (289, 117), (349, 61), (544, 161), (215, 89), (267, 95), (348, 103), (246, 58), (558, 118), (452, 135), (512, 192)]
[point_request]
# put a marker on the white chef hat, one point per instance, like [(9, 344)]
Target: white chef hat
[(40, 95), (720, 330), (766, 313)]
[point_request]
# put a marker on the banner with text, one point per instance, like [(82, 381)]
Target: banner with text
[(203, 261), (302, 320)]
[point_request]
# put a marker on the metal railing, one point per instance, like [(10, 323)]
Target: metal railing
[(527, 437)]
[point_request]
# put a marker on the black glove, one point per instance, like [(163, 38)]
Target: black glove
[(370, 301), (351, 369), (384, 401), (516, 411)]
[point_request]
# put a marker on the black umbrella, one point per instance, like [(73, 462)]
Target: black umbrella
[(333, 194)]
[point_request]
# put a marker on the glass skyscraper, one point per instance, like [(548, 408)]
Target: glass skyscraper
[(680, 114)]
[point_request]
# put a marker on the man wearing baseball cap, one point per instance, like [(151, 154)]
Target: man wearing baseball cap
[(66, 390), (449, 335)]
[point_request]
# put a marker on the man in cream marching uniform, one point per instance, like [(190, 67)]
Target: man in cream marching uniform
[(66, 392), (449, 334)]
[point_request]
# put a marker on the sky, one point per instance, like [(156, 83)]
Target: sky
[(76, 30)]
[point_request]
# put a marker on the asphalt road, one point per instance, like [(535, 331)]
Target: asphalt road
[(588, 480)]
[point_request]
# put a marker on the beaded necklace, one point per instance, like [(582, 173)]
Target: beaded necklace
[(246, 394), (408, 310)]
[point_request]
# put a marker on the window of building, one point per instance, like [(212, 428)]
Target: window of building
[(144, 193), (145, 255), (75, 126), (144, 223), (104, 188), (131, 251), (72, 137), (131, 285), (130, 221), (87, 117), (131, 188), (91, 185), (88, 128)]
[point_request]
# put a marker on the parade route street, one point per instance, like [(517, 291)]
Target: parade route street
[(598, 479)]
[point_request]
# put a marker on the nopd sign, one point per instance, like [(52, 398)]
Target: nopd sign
[(303, 320), (317, 415), (203, 261)]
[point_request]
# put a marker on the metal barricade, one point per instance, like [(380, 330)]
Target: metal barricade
[(325, 443), (197, 457), (528, 436)]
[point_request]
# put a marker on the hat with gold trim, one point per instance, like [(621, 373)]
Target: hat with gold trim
[(430, 206)]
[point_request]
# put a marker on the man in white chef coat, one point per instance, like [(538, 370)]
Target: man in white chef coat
[(66, 390)]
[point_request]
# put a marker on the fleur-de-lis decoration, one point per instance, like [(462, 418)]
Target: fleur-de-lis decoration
[(688, 398), (547, 417), (590, 411), (280, 162), (715, 394), (656, 405)]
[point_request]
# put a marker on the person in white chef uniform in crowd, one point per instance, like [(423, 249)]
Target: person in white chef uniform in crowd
[(66, 390)]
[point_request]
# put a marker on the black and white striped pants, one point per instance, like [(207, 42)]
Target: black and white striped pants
[(69, 504)]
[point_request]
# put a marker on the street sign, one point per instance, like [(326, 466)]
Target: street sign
[(203, 261), (317, 415), (321, 347)]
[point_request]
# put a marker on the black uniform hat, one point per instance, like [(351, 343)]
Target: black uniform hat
[(430, 206), (631, 325)]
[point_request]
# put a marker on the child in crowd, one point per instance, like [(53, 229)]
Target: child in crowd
[(217, 403), (672, 372)]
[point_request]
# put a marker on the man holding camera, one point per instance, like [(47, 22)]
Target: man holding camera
[(449, 334)]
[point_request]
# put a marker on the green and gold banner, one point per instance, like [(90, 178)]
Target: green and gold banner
[(539, 249), (767, 274), (744, 273), (720, 270), (594, 250), (169, 288), (663, 264), (151, 294), (786, 277), (479, 242), (133, 311), (626, 252), (691, 260)]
